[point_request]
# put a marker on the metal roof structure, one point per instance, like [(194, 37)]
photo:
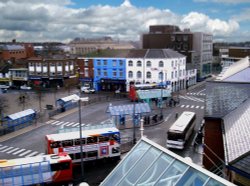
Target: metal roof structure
[(72, 97), (21, 114), (139, 108), (236, 137), (150, 164), (153, 93)]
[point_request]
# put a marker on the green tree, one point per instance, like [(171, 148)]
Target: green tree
[(3, 107)]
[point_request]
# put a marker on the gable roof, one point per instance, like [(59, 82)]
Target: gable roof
[(150, 164), (236, 137), (233, 69)]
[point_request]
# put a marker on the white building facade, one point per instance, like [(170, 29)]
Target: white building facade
[(161, 66)]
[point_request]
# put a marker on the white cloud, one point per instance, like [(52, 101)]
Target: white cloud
[(31, 20), (201, 22)]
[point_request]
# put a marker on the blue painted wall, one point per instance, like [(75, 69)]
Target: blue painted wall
[(108, 65)]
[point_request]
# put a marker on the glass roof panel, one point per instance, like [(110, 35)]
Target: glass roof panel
[(122, 169), (213, 182), (192, 177), (152, 174), (142, 164), (172, 174)]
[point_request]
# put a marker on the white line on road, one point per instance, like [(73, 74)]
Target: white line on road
[(75, 124), (3, 147), (17, 152), (50, 121), (12, 150), (32, 154), (55, 122), (26, 152), (7, 149), (60, 123), (70, 124)]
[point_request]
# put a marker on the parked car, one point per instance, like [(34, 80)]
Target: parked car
[(25, 87), (89, 91), (4, 86)]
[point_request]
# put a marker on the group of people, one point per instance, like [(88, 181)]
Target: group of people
[(172, 102)]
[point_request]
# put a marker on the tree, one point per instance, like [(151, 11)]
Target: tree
[(3, 107)]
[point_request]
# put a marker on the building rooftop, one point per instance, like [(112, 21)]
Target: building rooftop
[(233, 69), (223, 97), (236, 138), (150, 164), (12, 47)]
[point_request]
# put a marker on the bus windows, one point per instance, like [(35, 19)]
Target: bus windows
[(91, 140), (55, 144), (115, 137), (78, 142), (103, 138), (60, 166), (67, 143)]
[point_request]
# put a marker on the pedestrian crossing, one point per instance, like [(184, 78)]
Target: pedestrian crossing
[(65, 123), (192, 98), (19, 151), (192, 106), (200, 93), (196, 94)]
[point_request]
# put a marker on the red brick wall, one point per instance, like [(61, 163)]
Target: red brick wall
[(212, 139)]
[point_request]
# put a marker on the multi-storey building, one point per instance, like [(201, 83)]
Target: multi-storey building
[(85, 46), (14, 51), (196, 46), (86, 75), (52, 72), (162, 66), (109, 74)]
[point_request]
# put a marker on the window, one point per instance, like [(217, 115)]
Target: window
[(138, 63), (176, 74), (98, 72), (86, 72), (86, 63), (114, 63), (172, 64), (148, 75), (172, 75), (114, 73), (160, 76), (130, 74), (179, 73), (148, 63), (121, 73), (138, 75), (120, 62), (161, 64), (105, 62), (130, 63), (105, 73), (98, 62), (60, 166)]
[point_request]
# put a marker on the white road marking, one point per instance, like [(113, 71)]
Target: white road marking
[(26, 152), (17, 152), (32, 154), (9, 148), (12, 150)]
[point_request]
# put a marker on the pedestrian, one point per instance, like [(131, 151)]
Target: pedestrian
[(176, 115)]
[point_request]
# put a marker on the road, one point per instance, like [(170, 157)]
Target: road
[(33, 143)]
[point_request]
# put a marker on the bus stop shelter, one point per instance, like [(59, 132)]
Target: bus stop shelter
[(68, 102), (135, 110), (155, 94), (20, 119)]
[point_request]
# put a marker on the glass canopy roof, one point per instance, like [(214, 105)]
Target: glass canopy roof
[(154, 93), (149, 164)]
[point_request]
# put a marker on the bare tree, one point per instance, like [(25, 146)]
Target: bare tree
[(3, 107)]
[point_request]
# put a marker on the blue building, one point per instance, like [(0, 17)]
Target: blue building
[(110, 74)]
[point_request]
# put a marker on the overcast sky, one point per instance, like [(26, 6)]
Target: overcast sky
[(64, 20)]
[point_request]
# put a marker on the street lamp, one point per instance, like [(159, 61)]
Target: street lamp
[(80, 126)]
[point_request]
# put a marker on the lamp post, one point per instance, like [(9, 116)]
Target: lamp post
[(80, 128), (161, 92), (134, 138)]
